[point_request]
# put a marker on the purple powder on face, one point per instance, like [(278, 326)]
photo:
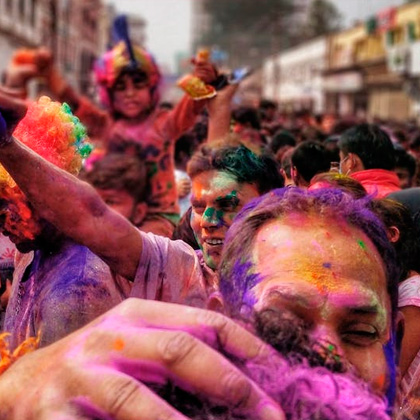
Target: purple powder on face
[(326, 265), (239, 289)]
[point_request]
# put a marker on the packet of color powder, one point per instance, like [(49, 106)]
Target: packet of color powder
[(193, 85)]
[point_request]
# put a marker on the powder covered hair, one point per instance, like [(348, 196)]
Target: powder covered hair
[(237, 273), (52, 131), (112, 64)]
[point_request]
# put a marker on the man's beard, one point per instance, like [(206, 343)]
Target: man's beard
[(289, 335), (310, 381)]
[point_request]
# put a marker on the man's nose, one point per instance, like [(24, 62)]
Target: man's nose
[(327, 339), (211, 218)]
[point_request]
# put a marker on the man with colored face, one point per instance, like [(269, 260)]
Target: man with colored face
[(346, 302), (223, 178), (324, 259), (315, 275), (223, 181)]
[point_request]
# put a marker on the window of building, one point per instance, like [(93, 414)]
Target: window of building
[(411, 32), (21, 9), (397, 36), (9, 6), (34, 4)]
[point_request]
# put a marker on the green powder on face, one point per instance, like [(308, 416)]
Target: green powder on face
[(361, 244), (209, 213)]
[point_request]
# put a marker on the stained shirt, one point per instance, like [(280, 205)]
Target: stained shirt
[(171, 271), (409, 295), (58, 292)]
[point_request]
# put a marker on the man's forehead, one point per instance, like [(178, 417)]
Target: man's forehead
[(318, 252), (211, 182)]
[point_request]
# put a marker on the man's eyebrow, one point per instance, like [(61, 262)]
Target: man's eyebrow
[(364, 310), (229, 199), (297, 298), (289, 296)]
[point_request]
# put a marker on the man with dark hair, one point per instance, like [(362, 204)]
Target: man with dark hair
[(367, 155), (405, 167), (308, 159), (120, 179), (286, 167), (247, 125), (282, 141)]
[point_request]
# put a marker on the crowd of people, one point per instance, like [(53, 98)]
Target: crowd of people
[(204, 261)]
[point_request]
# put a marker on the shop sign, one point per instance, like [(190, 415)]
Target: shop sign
[(344, 82), (386, 19)]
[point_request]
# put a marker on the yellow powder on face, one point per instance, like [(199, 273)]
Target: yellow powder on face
[(311, 250)]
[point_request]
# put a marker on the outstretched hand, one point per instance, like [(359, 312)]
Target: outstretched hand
[(12, 110), (27, 64), (205, 70), (105, 370)]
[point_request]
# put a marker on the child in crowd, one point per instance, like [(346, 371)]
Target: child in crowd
[(128, 79), (120, 180)]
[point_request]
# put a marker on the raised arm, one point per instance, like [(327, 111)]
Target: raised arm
[(71, 205), (27, 64), (220, 108)]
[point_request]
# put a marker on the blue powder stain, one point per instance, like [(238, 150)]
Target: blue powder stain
[(326, 265)]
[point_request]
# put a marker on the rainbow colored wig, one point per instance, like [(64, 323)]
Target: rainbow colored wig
[(51, 130), (113, 62)]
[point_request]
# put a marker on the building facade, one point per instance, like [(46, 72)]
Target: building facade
[(294, 78), (371, 67), (370, 70), (76, 31)]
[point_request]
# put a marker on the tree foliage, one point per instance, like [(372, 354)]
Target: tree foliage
[(323, 18), (241, 27)]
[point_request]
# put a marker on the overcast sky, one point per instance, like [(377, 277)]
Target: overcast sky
[(169, 21), (168, 25), (361, 9)]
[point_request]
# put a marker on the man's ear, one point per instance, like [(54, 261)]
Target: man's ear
[(216, 303), (393, 234), (355, 163), (139, 213)]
